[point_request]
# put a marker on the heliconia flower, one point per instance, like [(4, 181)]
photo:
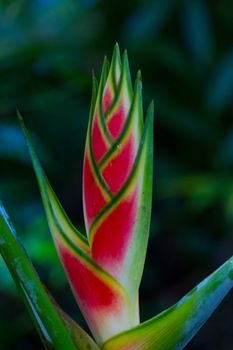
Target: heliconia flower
[(117, 177), (105, 268), (117, 182)]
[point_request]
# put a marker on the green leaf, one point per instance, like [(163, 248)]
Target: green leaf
[(175, 327), (53, 208), (57, 330), (148, 20), (68, 239)]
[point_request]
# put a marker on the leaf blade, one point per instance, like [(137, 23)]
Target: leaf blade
[(104, 317), (43, 312), (175, 327)]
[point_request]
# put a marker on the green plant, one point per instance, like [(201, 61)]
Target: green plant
[(105, 269)]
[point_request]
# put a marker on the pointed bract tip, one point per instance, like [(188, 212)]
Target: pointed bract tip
[(24, 129), (116, 48), (105, 62), (139, 75), (105, 70), (125, 60), (125, 54), (94, 80), (151, 108), (19, 116), (150, 112), (138, 82), (151, 105), (116, 56), (21, 121)]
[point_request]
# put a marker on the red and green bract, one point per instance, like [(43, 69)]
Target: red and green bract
[(105, 269), (116, 170), (117, 181), (117, 190)]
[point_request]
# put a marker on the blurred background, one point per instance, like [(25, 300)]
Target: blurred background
[(48, 49)]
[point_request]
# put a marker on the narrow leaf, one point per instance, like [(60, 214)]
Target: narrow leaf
[(106, 310), (175, 327), (112, 80), (53, 208), (48, 320)]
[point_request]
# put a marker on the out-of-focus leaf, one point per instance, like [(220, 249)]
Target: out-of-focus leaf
[(197, 30), (147, 20), (202, 190), (12, 143), (229, 204), (170, 55), (224, 157), (220, 89), (183, 120)]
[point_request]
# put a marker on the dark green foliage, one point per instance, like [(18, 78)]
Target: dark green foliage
[(184, 50)]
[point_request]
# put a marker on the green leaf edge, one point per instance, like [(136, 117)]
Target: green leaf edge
[(45, 188), (53, 326), (175, 327), (116, 61), (44, 185)]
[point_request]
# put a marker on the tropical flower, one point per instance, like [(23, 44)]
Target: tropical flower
[(117, 193), (105, 268)]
